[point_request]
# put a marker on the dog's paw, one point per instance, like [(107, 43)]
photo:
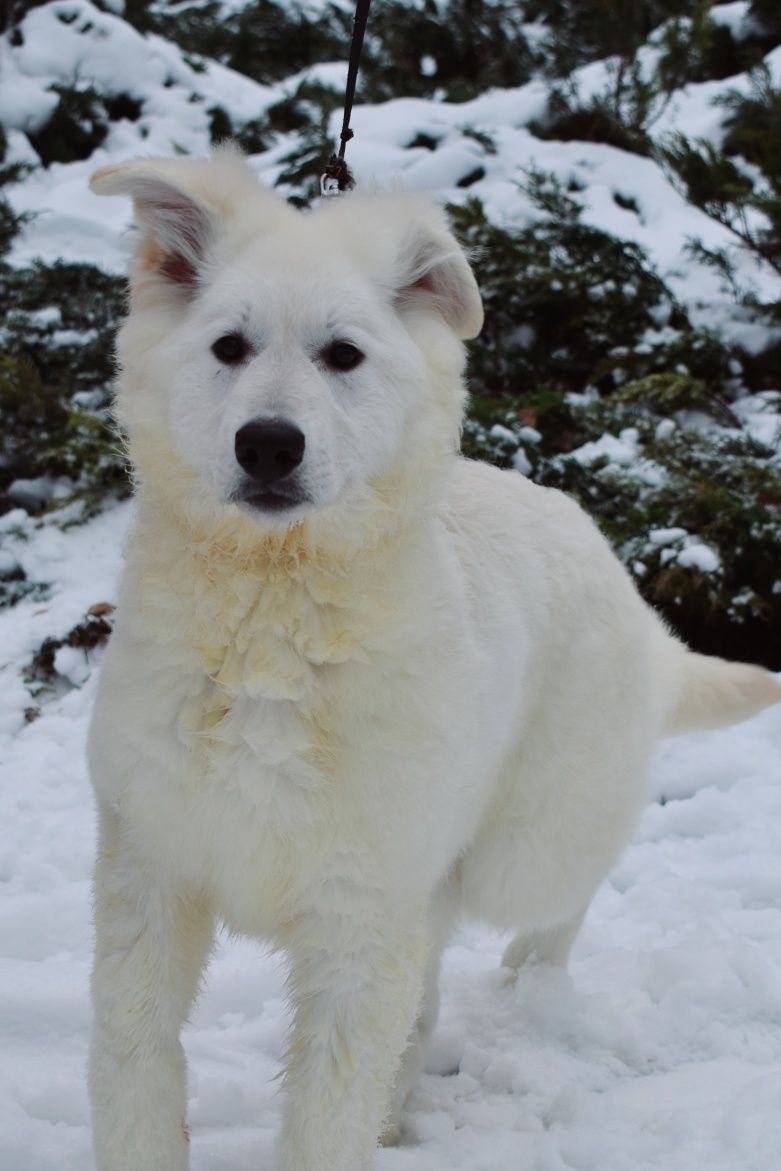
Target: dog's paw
[(391, 1136), (509, 976)]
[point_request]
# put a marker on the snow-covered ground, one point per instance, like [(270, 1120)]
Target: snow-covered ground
[(661, 1048)]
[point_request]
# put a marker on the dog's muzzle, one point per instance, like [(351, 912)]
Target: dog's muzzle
[(269, 451)]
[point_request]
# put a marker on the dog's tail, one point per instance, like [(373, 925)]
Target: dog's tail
[(712, 692)]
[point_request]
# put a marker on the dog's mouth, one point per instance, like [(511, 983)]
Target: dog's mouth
[(266, 500)]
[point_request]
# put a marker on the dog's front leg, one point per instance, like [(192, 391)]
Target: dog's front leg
[(355, 987), (150, 948)]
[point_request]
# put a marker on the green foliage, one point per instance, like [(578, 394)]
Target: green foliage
[(14, 586), (568, 305), (690, 47), (753, 125), (600, 119), (717, 180), (717, 487), (10, 221), (693, 46), (591, 30), (308, 108), (458, 48), (739, 185), (56, 367), (473, 44), (696, 48), (713, 182), (265, 40), (14, 583), (253, 136), (765, 17), (669, 391), (80, 123), (93, 631), (62, 318)]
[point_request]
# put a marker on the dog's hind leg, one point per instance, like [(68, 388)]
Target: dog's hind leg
[(151, 945), (444, 910), (550, 945)]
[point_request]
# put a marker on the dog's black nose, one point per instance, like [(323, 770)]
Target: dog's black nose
[(269, 449)]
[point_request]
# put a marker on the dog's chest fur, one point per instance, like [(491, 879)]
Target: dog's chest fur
[(271, 751)]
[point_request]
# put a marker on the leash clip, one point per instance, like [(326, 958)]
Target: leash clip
[(336, 178), (329, 186)]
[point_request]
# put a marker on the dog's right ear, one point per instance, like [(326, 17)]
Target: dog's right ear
[(183, 207), (176, 228)]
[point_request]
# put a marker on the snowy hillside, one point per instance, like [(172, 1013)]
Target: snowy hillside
[(481, 146), (621, 191)]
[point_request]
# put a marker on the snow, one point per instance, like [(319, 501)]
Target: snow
[(678, 545), (621, 449), (666, 536), (72, 664), (760, 415), (699, 556), (732, 16), (500, 432), (72, 39), (521, 463), (665, 429)]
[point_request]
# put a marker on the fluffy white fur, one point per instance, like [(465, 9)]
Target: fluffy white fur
[(430, 686)]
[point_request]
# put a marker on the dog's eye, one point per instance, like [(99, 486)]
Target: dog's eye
[(231, 348), (343, 356)]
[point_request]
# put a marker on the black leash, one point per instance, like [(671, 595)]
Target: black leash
[(337, 176)]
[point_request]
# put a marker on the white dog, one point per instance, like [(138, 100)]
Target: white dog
[(356, 682)]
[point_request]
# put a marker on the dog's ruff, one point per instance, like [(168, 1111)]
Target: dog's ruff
[(427, 686)]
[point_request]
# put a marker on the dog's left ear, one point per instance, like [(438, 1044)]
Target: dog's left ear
[(431, 266), (403, 240)]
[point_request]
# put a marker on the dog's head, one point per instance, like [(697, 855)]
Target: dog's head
[(287, 364)]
